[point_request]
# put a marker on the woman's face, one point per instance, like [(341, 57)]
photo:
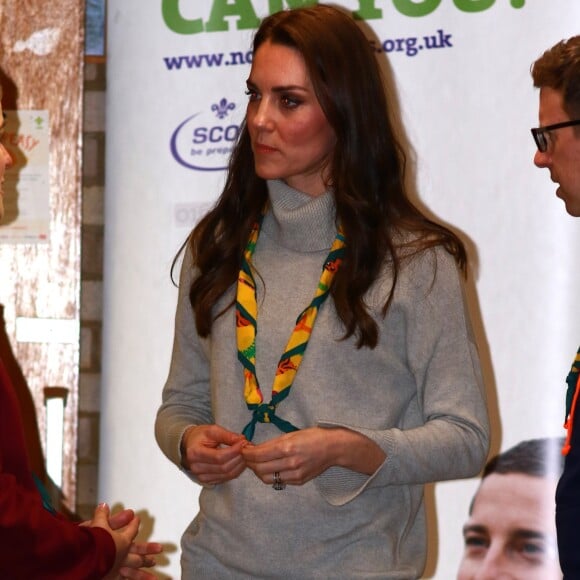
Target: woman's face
[(291, 138), (5, 161)]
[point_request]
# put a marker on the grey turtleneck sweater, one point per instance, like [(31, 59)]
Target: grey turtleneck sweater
[(418, 395)]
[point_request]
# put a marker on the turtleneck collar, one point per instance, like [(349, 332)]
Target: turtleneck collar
[(299, 221)]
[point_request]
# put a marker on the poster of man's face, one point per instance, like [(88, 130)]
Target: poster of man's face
[(511, 530)]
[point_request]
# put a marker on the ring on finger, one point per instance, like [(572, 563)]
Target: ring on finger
[(278, 483)]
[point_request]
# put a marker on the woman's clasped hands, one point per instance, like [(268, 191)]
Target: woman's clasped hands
[(216, 455)]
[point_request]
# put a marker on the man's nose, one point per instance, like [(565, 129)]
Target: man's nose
[(494, 567), (542, 159)]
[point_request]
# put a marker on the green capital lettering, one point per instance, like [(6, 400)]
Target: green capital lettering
[(473, 5), (411, 8), (175, 21), (221, 8), (277, 5), (368, 11)]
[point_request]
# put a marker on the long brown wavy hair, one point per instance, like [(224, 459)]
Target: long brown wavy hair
[(366, 175)]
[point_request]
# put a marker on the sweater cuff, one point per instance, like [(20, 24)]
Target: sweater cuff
[(339, 485)]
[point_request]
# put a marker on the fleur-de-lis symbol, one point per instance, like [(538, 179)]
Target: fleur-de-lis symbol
[(221, 109)]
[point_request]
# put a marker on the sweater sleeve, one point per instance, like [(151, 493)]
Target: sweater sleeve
[(186, 394), (452, 439)]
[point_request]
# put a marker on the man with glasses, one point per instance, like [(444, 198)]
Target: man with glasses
[(557, 74)]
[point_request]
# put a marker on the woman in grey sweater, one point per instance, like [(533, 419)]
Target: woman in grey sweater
[(314, 273)]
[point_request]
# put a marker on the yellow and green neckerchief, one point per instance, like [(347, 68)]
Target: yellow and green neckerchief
[(247, 328)]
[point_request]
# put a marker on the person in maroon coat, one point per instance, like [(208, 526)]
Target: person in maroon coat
[(36, 542)]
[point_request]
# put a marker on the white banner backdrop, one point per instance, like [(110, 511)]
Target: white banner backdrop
[(176, 81)]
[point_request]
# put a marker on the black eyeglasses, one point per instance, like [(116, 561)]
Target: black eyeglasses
[(539, 133)]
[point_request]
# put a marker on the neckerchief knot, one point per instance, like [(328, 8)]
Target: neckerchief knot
[(264, 413)]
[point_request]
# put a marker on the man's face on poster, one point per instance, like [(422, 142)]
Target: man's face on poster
[(511, 530)]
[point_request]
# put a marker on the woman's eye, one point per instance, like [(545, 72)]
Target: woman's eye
[(290, 102), (252, 94)]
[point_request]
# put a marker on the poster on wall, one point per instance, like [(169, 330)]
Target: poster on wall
[(460, 71), (26, 184)]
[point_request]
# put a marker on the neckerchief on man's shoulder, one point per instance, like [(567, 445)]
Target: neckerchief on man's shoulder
[(573, 382)]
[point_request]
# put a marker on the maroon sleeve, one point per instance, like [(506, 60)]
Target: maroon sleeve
[(34, 543)]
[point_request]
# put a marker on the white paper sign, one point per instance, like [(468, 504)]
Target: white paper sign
[(26, 186)]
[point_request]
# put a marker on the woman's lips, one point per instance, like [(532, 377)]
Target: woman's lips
[(261, 148)]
